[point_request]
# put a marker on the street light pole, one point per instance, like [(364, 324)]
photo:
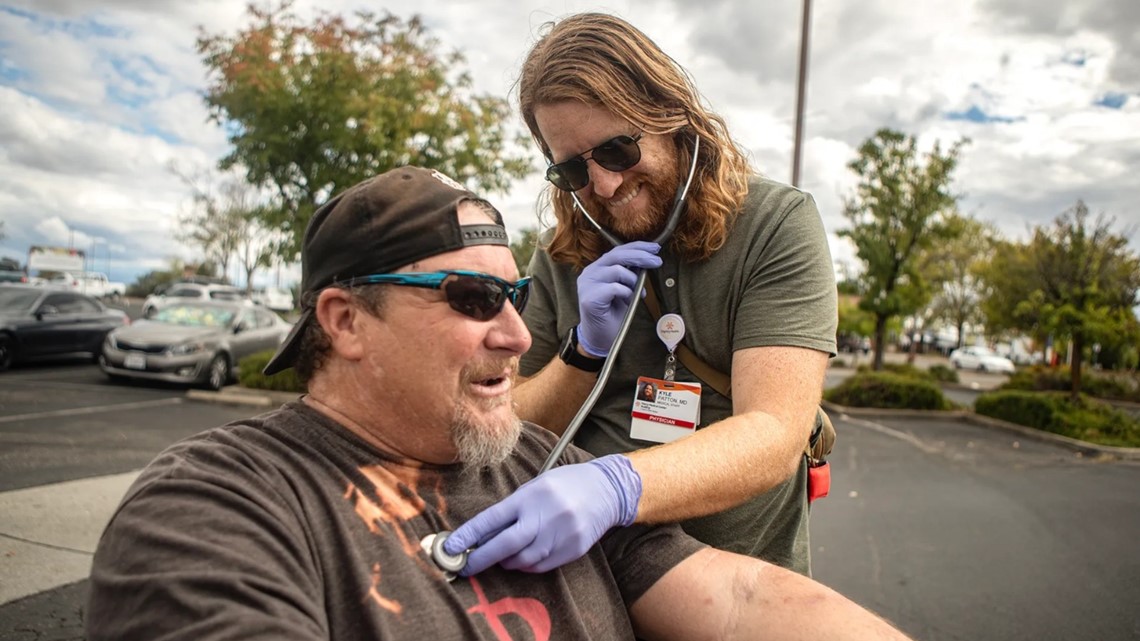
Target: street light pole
[(800, 90)]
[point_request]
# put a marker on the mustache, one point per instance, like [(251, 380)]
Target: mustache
[(488, 368)]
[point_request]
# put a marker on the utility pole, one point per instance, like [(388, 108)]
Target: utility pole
[(800, 90)]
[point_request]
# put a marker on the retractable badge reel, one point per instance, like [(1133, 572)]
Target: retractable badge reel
[(671, 329)]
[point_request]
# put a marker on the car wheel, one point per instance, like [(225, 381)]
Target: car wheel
[(218, 373), (6, 354), (982, 367)]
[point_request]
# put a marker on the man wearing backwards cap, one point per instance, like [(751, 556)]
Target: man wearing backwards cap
[(307, 522)]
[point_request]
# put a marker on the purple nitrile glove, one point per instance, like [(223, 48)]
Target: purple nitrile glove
[(604, 289), (552, 519)]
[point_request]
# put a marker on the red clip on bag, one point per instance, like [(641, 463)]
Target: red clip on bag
[(819, 480)]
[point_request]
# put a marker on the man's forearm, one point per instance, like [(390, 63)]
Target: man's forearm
[(716, 468), (552, 397), (717, 595)]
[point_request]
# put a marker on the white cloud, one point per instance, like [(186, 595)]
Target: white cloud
[(98, 101)]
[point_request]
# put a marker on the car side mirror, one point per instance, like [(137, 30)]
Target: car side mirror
[(240, 327), (46, 310)]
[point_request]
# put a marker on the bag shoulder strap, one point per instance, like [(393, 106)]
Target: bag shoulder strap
[(817, 448), (709, 375)]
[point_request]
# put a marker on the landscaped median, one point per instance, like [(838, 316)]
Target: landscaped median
[(1086, 425), (1028, 404)]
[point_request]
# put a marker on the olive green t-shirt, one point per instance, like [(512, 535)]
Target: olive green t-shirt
[(771, 284)]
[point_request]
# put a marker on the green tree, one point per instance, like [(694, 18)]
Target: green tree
[(145, 284), (523, 248), (312, 109), (1086, 282), (215, 223), (1008, 280), (897, 212), (954, 266)]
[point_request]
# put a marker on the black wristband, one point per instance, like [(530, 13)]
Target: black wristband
[(569, 354)]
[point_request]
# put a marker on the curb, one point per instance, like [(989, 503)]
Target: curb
[(237, 395), (1083, 447)]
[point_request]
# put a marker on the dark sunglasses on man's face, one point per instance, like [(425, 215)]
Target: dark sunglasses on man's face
[(616, 154), (475, 294)]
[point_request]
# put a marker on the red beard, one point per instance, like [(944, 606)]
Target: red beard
[(639, 223)]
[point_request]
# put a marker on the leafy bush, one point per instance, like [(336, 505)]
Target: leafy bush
[(249, 374), (943, 374), (1087, 420), (1017, 406), (901, 369), (1038, 378), (888, 390)]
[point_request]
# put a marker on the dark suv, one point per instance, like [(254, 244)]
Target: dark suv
[(12, 276)]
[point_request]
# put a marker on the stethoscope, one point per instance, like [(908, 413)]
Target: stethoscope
[(432, 544)]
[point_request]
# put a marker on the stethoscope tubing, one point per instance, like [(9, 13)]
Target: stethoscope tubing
[(452, 563), (627, 320)]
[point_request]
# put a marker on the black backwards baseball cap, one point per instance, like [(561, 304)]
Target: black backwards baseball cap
[(378, 226)]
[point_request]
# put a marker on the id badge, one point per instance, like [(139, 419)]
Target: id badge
[(664, 411)]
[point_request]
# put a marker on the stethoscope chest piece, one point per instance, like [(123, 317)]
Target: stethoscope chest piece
[(449, 564)]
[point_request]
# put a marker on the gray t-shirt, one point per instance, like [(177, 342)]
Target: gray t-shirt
[(286, 526), (772, 283)]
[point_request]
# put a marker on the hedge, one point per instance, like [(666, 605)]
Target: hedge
[(943, 374), (888, 390), (1120, 387), (1088, 419), (249, 375)]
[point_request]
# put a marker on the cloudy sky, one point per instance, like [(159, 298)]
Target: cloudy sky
[(98, 98)]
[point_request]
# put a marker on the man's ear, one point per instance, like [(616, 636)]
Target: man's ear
[(339, 317)]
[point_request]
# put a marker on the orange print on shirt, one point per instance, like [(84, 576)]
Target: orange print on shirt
[(532, 611)]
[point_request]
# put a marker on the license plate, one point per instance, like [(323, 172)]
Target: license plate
[(135, 361)]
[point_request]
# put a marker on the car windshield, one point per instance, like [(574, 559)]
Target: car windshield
[(12, 299), (195, 316), (984, 351)]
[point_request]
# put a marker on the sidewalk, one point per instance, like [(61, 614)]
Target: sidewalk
[(49, 533)]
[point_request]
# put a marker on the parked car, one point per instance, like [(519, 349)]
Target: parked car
[(98, 285), (192, 342), (275, 298), (186, 291), (853, 343), (38, 323), (980, 358), (12, 276)]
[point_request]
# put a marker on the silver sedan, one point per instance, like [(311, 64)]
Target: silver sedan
[(197, 343)]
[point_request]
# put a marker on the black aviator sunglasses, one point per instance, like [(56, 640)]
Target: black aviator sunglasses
[(475, 294), (616, 154)]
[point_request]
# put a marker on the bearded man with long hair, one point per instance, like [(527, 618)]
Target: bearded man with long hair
[(748, 270)]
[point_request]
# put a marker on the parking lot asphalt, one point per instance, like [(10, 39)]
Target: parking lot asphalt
[(949, 529)]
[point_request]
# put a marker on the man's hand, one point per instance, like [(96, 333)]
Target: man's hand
[(604, 289), (552, 519)]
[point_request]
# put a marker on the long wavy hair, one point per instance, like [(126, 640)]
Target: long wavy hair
[(599, 59)]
